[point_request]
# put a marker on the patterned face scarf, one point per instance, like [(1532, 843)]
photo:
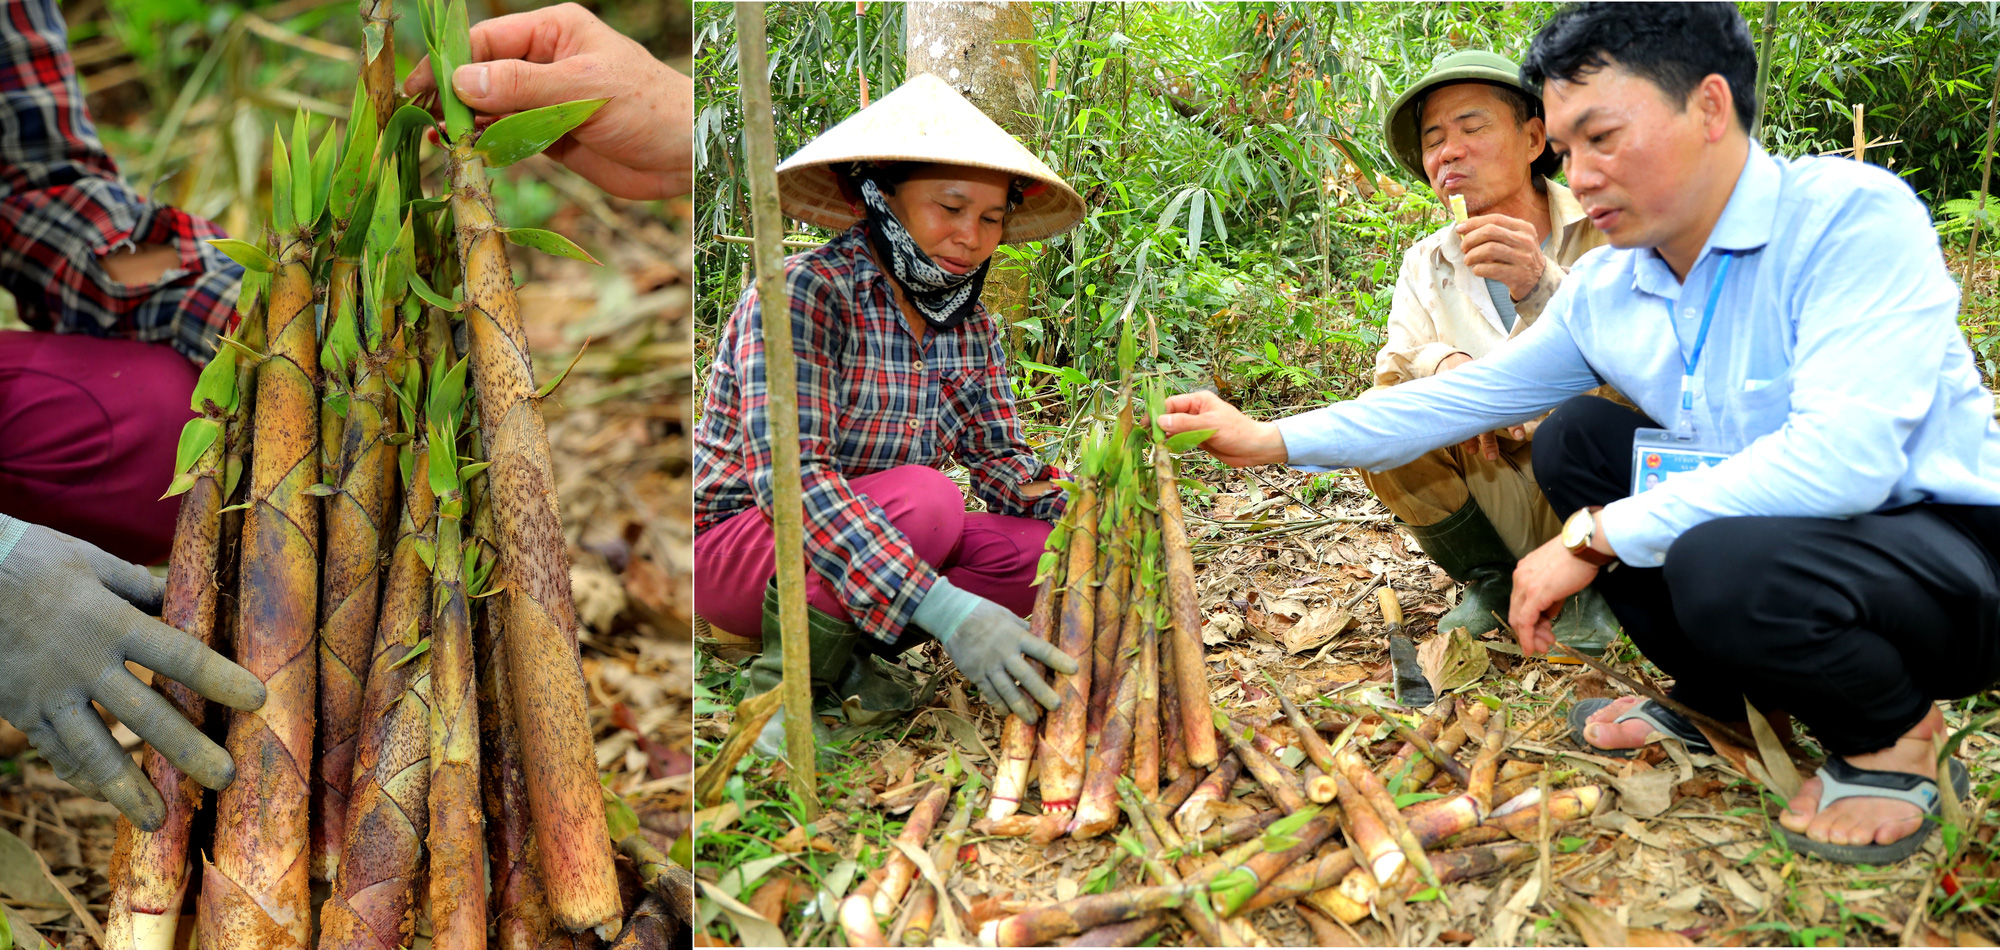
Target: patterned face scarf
[(943, 298)]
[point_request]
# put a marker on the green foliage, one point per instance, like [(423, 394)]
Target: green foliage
[(1242, 207)]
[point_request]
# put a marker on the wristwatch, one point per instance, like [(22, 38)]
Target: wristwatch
[(1579, 531)]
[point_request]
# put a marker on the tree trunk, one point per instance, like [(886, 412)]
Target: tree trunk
[(980, 48)]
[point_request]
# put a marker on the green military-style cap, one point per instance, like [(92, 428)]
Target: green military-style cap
[(1472, 65)]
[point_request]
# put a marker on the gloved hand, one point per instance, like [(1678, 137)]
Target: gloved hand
[(991, 646), (70, 616)]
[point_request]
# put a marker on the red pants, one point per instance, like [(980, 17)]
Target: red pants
[(88, 428), (991, 555)]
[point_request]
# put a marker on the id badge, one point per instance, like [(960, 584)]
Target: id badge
[(1657, 456)]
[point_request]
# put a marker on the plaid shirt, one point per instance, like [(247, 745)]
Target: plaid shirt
[(62, 207), (868, 402)]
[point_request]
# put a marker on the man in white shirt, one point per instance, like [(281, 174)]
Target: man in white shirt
[(1463, 292)]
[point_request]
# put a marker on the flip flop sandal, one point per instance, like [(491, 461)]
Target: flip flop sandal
[(1666, 724), (1841, 780)]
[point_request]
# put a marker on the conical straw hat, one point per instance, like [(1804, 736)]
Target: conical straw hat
[(923, 120)]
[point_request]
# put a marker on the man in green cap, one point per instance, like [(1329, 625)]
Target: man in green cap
[(1464, 291)]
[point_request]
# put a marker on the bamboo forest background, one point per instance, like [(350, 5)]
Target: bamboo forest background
[(1240, 192)]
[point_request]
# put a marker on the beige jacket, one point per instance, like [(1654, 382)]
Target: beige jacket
[(1441, 307)]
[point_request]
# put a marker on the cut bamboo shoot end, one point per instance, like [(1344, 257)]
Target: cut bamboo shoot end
[(1458, 208)]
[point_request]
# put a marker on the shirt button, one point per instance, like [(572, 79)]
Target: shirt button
[(913, 423), (920, 366), (1688, 313)]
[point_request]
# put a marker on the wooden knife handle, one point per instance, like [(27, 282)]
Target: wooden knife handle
[(1392, 611)]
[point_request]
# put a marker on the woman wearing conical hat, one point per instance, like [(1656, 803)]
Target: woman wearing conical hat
[(900, 368)]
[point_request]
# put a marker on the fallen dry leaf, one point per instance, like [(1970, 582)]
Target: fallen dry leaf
[(1645, 794)]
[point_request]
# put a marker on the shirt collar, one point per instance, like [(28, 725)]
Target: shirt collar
[(1564, 209), (1744, 226)]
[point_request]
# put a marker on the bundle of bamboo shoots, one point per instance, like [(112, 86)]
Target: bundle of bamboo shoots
[(387, 486)]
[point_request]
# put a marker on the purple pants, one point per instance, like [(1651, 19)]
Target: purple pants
[(991, 555), (88, 428)]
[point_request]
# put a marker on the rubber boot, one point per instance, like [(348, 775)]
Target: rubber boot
[(860, 684), (1587, 624), (1469, 550)]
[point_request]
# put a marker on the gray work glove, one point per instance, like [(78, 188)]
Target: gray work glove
[(70, 616), (991, 646)]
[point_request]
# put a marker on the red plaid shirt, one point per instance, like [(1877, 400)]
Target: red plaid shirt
[(868, 402), (62, 207)]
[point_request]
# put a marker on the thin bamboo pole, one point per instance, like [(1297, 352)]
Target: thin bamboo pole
[(788, 514)]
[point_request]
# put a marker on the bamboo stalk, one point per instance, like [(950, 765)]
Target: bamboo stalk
[(1233, 890), (1097, 809), (1146, 717), (1235, 832), (1374, 849), (149, 869), (921, 913), (1147, 825), (1173, 747), (1192, 817), (1486, 766), (1328, 870), (457, 848), (1017, 735), (519, 906), (1189, 668), (787, 502), (378, 75), (1113, 597), (1174, 795), (374, 889), (1040, 925), (900, 870), (857, 918), (1355, 770), (1127, 934), (1285, 787), (255, 890), (1060, 749), (356, 518)]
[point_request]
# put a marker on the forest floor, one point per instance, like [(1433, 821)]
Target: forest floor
[(619, 430), (1681, 850)]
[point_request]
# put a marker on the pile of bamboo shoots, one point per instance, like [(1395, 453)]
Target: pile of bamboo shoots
[(368, 521), (1345, 826)]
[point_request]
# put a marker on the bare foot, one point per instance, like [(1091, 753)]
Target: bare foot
[(1869, 820), (1630, 734)]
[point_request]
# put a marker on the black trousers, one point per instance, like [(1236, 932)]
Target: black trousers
[(1854, 626)]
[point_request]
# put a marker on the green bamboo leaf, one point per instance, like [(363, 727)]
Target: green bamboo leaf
[(444, 478), (358, 159), (245, 253), (302, 176), (532, 132), (424, 292), (403, 123), (232, 472), (427, 205), (453, 49), (321, 490), (323, 171), (466, 472), (180, 485), (423, 646), (426, 552), (1188, 440), (396, 438), (217, 384), (551, 385), (548, 242), (282, 208), (250, 289), (242, 349), (406, 460), (385, 218), (196, 437)]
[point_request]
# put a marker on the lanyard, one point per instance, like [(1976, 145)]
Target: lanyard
[(1684, 427)]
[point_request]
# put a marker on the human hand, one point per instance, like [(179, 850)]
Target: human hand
[(1503, 249), (1542, 582), (638, 146), (1238, 440), (73, 617), (992, 647)]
